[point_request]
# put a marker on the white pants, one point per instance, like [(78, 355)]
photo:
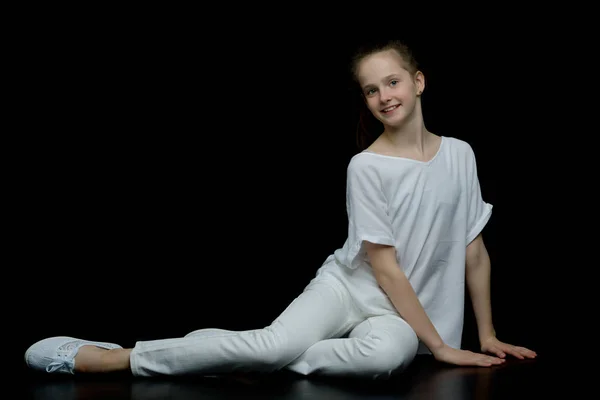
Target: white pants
[(323, 331)]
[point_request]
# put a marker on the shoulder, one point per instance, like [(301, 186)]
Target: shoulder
[(362, 163), (364, 168), (462, 151), (459, 146)]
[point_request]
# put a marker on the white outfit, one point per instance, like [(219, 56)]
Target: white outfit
[(343, 323), (430, 211)]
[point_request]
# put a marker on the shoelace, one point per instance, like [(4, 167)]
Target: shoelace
[(65, 353), (68, 363)]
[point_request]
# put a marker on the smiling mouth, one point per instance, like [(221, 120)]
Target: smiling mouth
[(390, 109)]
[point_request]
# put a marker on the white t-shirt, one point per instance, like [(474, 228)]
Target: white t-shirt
[(430, 212)]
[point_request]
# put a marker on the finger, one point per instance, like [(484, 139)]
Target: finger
[(519, 351), (488, 361), (513, 351), (482, 361), (526, 352), (497, 361), (498, 351)]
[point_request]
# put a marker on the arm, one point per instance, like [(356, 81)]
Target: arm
[(366, 204), (478, 271), (395, 284)]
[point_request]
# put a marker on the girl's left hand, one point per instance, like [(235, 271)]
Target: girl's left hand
[(501, 349)]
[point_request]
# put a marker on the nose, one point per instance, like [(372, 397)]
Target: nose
[(384, 97)]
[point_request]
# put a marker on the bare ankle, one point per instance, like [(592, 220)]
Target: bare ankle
[(116, 360), (93, 359)]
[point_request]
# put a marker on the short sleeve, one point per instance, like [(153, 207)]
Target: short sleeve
[(367, 209), (478, 211)]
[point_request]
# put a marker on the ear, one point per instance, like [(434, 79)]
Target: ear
[(419, 82)]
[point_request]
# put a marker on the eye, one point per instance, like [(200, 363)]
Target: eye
[(370, 91), (393, 82)]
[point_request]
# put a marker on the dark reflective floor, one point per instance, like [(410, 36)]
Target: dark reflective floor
[(425, 380)]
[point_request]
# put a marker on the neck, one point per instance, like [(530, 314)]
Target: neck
[(411, 135)]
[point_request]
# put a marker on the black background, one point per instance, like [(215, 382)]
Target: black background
[(167, 183)]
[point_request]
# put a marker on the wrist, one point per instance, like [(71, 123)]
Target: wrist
[(436, 346), (485, 334)]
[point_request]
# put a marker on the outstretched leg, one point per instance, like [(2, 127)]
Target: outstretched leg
[(322, 311), (376, 348)]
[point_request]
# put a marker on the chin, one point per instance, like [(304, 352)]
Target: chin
[(397, 121)]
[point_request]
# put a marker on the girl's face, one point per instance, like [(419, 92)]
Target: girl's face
[(389, 90)]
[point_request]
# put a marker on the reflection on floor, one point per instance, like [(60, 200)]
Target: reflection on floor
[(427, 379)]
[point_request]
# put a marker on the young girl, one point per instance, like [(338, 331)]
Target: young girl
[(394, 290)]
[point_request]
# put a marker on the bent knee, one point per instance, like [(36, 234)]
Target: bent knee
[(276, 351), (387, 354)]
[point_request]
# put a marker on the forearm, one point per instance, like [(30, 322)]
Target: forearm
[(478, 283), (402, 295)]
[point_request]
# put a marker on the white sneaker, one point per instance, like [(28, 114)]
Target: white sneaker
[(57, 354)]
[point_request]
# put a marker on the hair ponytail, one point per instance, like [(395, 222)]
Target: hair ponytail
[(368, 128)]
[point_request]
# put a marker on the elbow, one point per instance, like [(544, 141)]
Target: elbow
[(389, 278), (477, 254), (385, 266), (477, 263)]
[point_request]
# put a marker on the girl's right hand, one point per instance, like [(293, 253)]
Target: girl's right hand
[(450, 355)]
